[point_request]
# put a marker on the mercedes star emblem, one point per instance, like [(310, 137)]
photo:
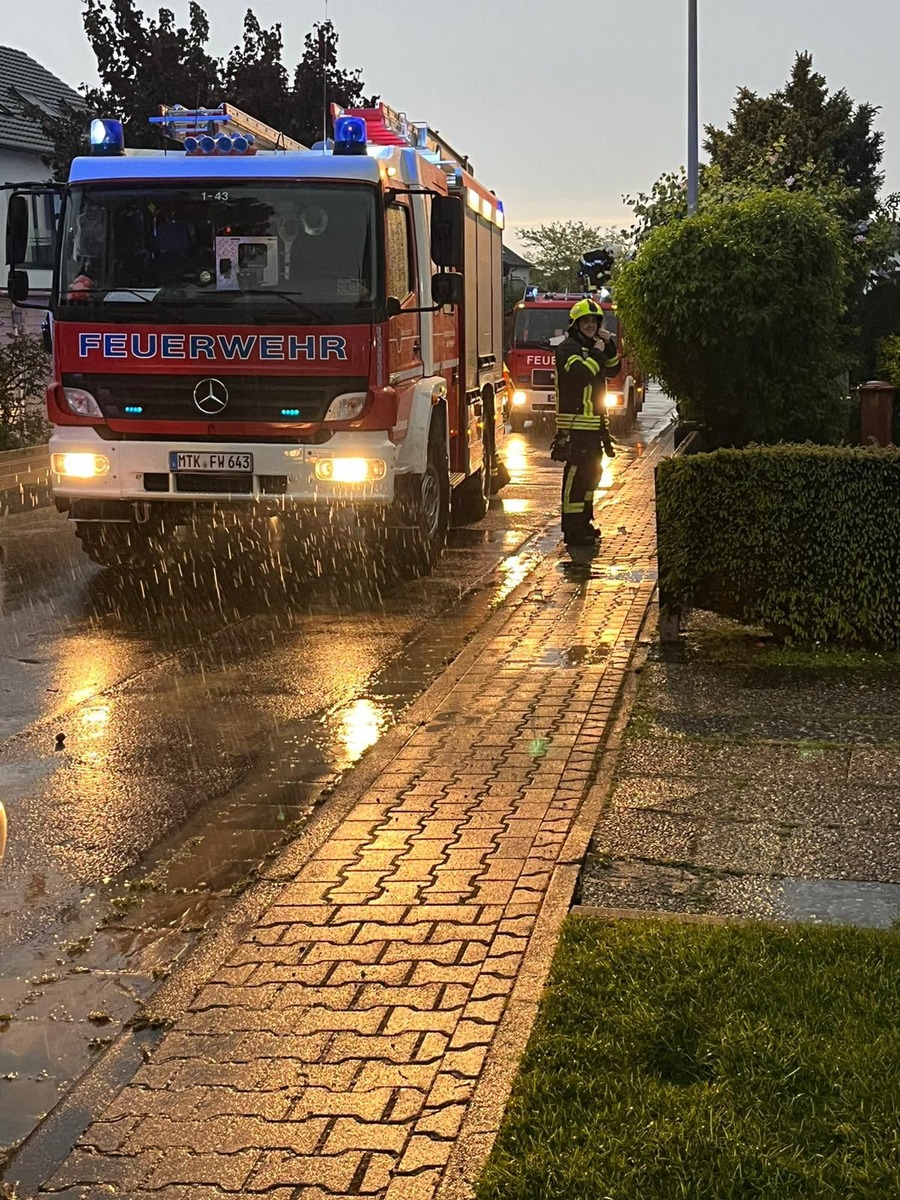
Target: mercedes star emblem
[(210, 396)]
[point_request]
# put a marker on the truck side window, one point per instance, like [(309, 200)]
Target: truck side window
[(400, 279)]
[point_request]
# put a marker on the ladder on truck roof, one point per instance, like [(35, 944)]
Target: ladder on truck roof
[(180, 123), (387, 127)]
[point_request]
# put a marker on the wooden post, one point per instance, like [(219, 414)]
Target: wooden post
[(876, 413)]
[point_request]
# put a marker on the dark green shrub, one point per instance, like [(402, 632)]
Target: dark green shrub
[(24, 369), (888, 362), (738, 312), (802, 539)]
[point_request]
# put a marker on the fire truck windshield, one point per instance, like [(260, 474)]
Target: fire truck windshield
[(542, 328), (228, 252)]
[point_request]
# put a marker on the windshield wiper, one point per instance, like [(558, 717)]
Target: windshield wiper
[(114, 291)]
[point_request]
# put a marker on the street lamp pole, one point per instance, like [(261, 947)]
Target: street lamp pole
[(693, 146)]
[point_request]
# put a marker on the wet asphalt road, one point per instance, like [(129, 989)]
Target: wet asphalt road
[(203, 716)]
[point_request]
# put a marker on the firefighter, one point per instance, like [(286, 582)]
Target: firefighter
[(584, 359)]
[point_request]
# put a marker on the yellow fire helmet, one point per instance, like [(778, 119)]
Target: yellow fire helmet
[(585, 308)]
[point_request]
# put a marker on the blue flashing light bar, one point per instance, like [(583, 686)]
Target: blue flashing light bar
[(222, 144), (290, 412), (350, 135), (134, 409), (107, 137)]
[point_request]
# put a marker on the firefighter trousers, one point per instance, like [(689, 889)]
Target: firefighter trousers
[(580, 478)]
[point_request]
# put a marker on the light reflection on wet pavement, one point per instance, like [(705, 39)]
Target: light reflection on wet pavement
[(203, 719)]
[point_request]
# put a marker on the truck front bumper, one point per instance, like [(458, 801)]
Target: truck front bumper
[(528, 401), (356, 468)]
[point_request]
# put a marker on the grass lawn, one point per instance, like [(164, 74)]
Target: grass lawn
[(729, 1061)]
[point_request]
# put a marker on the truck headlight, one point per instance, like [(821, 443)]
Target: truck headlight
[(350, 470), (613, 400), (80, 466), (346, 407), (519, 398)]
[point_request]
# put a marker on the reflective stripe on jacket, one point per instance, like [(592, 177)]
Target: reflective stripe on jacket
[(581, 374)]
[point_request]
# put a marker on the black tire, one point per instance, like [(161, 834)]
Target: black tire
[(424, 508), (516, 421)]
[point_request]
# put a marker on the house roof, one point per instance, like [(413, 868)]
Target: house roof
[(22, 82), (512, 259)]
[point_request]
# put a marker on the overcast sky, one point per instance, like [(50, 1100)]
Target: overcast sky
[(563, 108)]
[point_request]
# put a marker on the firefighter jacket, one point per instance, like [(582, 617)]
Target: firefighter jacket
[(581, 374)]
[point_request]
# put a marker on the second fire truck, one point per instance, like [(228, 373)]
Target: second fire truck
[(541, 320)]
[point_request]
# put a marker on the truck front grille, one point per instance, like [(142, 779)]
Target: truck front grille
[(275, 399)]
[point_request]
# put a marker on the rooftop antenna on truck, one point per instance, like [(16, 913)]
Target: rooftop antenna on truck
[(324, 80)]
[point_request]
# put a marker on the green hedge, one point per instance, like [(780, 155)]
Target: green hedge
[(802, 539), (738, 312)]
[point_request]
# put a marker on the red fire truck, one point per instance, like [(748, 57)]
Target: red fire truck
[(245, 325), (540, 324)]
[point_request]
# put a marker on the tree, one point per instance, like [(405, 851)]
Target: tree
[(801, 138), (737, 311), (557, 248), (254, 77), (145, 62), (802, 131), (319, 78)]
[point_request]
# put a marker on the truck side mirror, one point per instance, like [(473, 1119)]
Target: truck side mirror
[(16, 231), (17, 286), (447, 289), (447, 232)]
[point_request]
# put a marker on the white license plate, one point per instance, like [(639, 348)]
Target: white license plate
[(190, 460)]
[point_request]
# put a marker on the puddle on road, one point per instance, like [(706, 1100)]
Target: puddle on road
[(573, 656)]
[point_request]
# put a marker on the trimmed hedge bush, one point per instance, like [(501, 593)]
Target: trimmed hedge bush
[(738, 312), (804, 540)]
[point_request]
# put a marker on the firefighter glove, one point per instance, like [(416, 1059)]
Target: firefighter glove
[(560, 447)]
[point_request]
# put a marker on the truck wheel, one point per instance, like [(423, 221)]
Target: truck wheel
[(425, 509), (112, 544)]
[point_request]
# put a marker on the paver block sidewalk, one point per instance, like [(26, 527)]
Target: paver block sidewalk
[(361, 1038)]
